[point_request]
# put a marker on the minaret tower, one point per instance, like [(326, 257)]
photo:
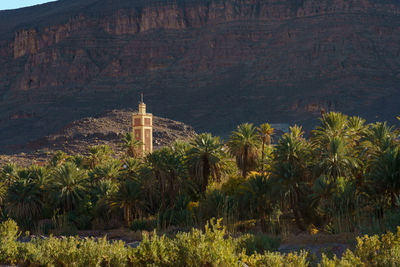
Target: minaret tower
[(142, 123)]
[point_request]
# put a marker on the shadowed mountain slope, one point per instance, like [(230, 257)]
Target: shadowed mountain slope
[(106, 129), (209, 63)]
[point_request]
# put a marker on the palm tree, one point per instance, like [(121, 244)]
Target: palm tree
[(265, 132), (332, 124), (78, 159), (168, 169), (108, 170), (336, 200), (181, 147), (292, 147), (129, 198), (336, 160), (385, 173), (356, 127), (290, 170), (3, 195), (147, 176), (58, 158), (9, 173), (68, 186), (24, 201), (131, 168), (40, 175), (131, 145), (337, 142), (379, 137), (243, 145), (102, 193), (99, 154), (257, 193), (104, 189), (205, 159), (357, 130)]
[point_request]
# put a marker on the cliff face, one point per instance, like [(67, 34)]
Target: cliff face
[(210, 63), (175, 16)]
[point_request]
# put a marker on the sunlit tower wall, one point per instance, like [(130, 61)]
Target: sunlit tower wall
[(142, 124)]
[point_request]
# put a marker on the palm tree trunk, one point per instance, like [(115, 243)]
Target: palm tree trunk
[(150, 199), (162, 193), (126, 216), (245, 163), (172, 192), (393, 198), (206, 175), (297, 218), (262, 219), (296, 213), (262, 156)]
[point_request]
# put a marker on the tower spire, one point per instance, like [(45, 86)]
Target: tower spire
[(142, 105)]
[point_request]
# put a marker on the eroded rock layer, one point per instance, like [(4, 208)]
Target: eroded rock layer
[(209, 63)]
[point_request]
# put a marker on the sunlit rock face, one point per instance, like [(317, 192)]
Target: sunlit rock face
[(211, 64)]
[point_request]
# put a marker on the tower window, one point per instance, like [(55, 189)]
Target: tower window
[(137, 134)]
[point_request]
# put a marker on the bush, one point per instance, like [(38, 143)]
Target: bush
[(275, 259), (73, 251), (373, 250), (196, 248), (8, 242), (154, 251), (207, 248), (259, 243)]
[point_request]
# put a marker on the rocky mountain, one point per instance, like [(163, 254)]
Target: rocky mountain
[(105, 129), (209, 63)]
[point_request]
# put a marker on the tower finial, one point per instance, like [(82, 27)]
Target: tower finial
[(141, 98)]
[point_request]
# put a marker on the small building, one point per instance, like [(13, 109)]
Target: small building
[(142, 125)]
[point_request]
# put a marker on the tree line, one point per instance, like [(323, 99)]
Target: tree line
[(344, 177)]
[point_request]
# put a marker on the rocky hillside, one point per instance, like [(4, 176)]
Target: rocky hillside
[(107, 128), (209, 63)]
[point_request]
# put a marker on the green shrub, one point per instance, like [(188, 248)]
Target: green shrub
[(207, 248), (259, 243), (154, 251), (73, 251), (8, 242), (348, 259), (275, 259), (196, 248), (379, 251), (373, 250)]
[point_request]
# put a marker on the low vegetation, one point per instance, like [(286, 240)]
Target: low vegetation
[(210, 247)]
